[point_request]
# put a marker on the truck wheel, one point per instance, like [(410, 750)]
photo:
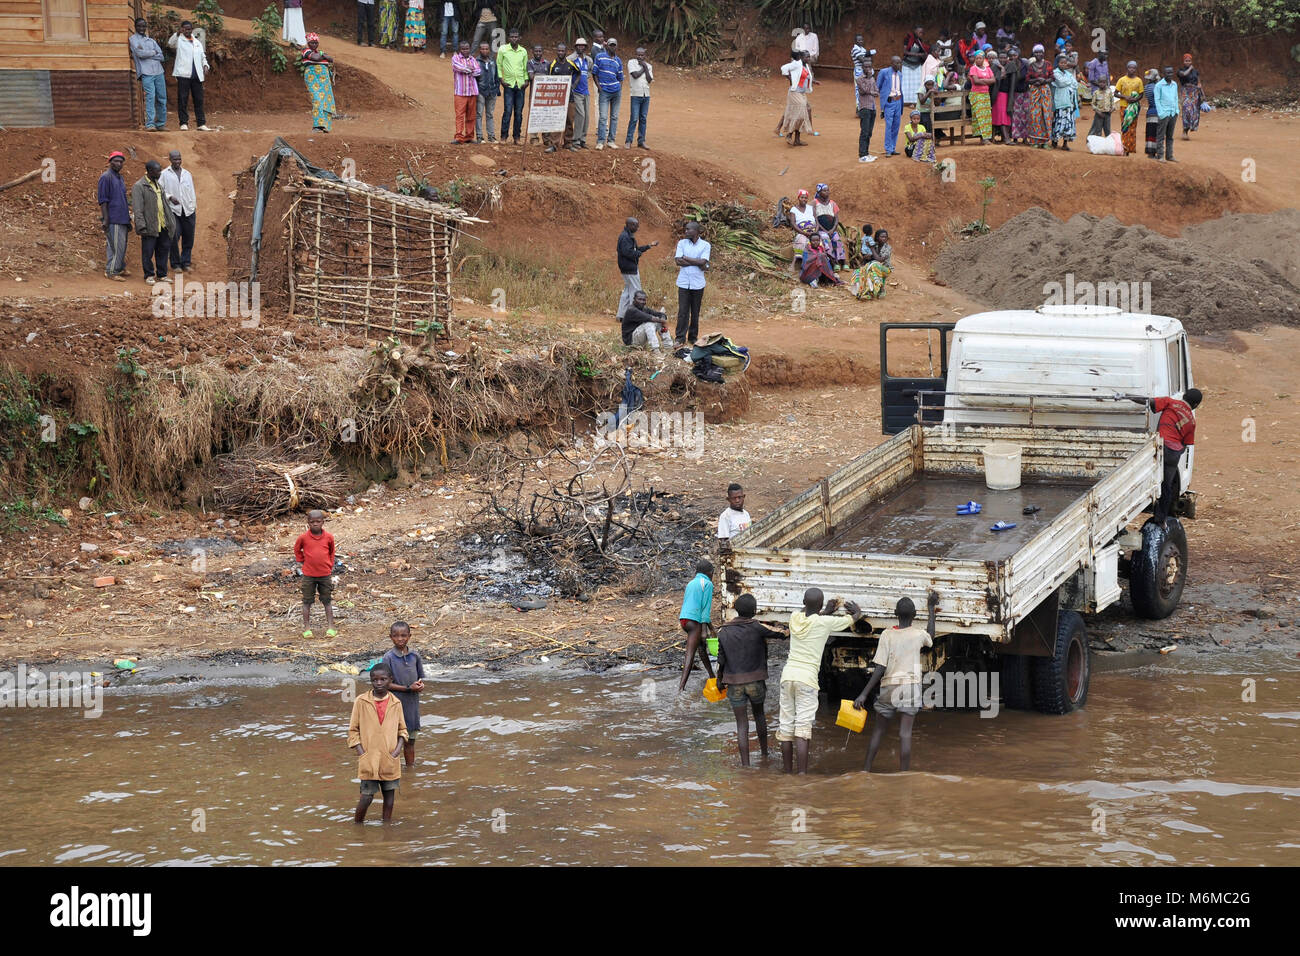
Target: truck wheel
[(1014, 680), (1060, 682), (1159, 570)]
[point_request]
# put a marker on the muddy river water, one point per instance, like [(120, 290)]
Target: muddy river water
[(1163, 766)]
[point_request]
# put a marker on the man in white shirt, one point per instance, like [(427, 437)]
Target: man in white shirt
[(898, 672), (692, 257), (178, 187), (735, 518), (190, 69), (640, 74), (807, 43), (449, 22)]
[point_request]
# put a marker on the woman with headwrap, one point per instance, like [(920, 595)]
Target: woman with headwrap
[(827, 212), (803, 220), (1038, 122), (316, 71), (1153, 115), (1129, 91), (1193, 96), (1010, 90), (1065, 102), (981, 111)]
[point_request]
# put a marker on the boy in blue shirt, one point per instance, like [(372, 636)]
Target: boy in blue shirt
[(407, 682), (697, 611)]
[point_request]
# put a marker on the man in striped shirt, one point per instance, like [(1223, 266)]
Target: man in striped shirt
[(464, 70)]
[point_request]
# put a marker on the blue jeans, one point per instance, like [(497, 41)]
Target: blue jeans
[(513, 105), (893, 120), (455, 34), (607, 118), (640, 109), (155, 99)]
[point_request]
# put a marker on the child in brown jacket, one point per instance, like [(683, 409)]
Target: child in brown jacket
[(377, 733)]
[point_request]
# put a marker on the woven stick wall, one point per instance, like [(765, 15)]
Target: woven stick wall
[(363, 257)]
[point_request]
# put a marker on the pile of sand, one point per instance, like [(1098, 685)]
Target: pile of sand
[(1271, 238), (1209, 282)]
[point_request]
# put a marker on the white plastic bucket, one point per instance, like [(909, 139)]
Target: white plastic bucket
[(1002, 466)]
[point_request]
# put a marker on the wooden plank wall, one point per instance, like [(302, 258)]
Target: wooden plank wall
[(23, 45)]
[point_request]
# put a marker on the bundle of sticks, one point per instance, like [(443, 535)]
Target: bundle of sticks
[(259, 483)]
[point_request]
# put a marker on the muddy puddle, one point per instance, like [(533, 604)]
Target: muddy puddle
[(1164, 766)]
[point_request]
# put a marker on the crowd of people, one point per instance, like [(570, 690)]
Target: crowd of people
[(1005, 96)]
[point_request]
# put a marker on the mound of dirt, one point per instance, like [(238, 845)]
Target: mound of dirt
[(1035, 255), (1269, 238)]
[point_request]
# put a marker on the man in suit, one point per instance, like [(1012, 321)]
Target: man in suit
[(889, 84)]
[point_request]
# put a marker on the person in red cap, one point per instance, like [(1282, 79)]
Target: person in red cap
[(1177, 426), (114, 216)]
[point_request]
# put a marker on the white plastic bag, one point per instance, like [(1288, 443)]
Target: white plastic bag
[(1102, 146)]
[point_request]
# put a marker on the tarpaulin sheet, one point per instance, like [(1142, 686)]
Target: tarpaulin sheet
[(268, 167)]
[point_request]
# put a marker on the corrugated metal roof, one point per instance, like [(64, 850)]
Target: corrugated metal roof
[(106, 99), (25, 98)]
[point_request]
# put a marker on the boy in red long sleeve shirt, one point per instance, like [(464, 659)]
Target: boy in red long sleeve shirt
[(314, 550)]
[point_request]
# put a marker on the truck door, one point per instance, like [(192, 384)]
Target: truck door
[(1180, 380), (919, 363)]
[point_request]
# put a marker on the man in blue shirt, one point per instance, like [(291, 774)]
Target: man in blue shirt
[(609, 77), (1166, 114), (692, 256), (578, 100), (147, 56), (114, 216), (890, 85), (697, 611), (489, 86)]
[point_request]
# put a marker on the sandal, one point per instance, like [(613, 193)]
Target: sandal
[(307, 633), (331, 633)]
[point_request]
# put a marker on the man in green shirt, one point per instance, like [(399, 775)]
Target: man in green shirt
[(512, 64)]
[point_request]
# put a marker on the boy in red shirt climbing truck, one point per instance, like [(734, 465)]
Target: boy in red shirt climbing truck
[(1177, 427), (314, 550)]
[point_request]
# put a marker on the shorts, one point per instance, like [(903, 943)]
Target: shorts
[(313, 586), (372, 787), (738, 694), (798, 708), (900, 698)]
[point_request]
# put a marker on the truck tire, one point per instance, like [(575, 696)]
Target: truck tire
[(1014, 681), (1060, 682), (1159, 570)]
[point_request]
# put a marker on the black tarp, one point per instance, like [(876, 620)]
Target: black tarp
[(264, 174)]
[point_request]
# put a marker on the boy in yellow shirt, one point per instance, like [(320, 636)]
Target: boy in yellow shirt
[(377, 733)]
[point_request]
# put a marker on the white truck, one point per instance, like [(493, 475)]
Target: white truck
[(885, 525)]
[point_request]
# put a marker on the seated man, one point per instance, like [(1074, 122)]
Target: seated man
[(642, 326)]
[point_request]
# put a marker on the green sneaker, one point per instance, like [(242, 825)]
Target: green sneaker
[(331, 633), (307, 633)]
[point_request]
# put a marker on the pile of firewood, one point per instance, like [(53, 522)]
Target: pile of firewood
[(260, 482)]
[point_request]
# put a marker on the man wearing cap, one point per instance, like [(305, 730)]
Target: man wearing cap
[(148, 58), (190, 68), (154, 222), (114, 216), (609, 77), (579, 100)]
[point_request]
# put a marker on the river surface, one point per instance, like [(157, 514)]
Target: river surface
[(1163, 766)]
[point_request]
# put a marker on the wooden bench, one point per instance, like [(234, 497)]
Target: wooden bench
[(948, 112)]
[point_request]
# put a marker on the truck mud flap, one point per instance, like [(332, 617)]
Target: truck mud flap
[(1035, 634)]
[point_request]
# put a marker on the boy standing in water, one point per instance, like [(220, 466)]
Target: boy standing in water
[(898, 672), (408, 681), (314, 550), (809, 630), (742, 670), (696, 613), (376, 732)]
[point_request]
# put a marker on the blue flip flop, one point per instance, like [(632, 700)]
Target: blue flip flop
[(1003, 526), (970, 508)]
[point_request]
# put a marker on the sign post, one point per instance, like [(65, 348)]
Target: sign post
[(548, 106)]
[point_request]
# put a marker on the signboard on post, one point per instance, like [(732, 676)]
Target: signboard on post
[(549, 106)]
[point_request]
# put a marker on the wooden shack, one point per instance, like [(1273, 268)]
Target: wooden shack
[(67, 63)]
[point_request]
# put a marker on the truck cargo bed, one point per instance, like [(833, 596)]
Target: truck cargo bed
[(919, 518)]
